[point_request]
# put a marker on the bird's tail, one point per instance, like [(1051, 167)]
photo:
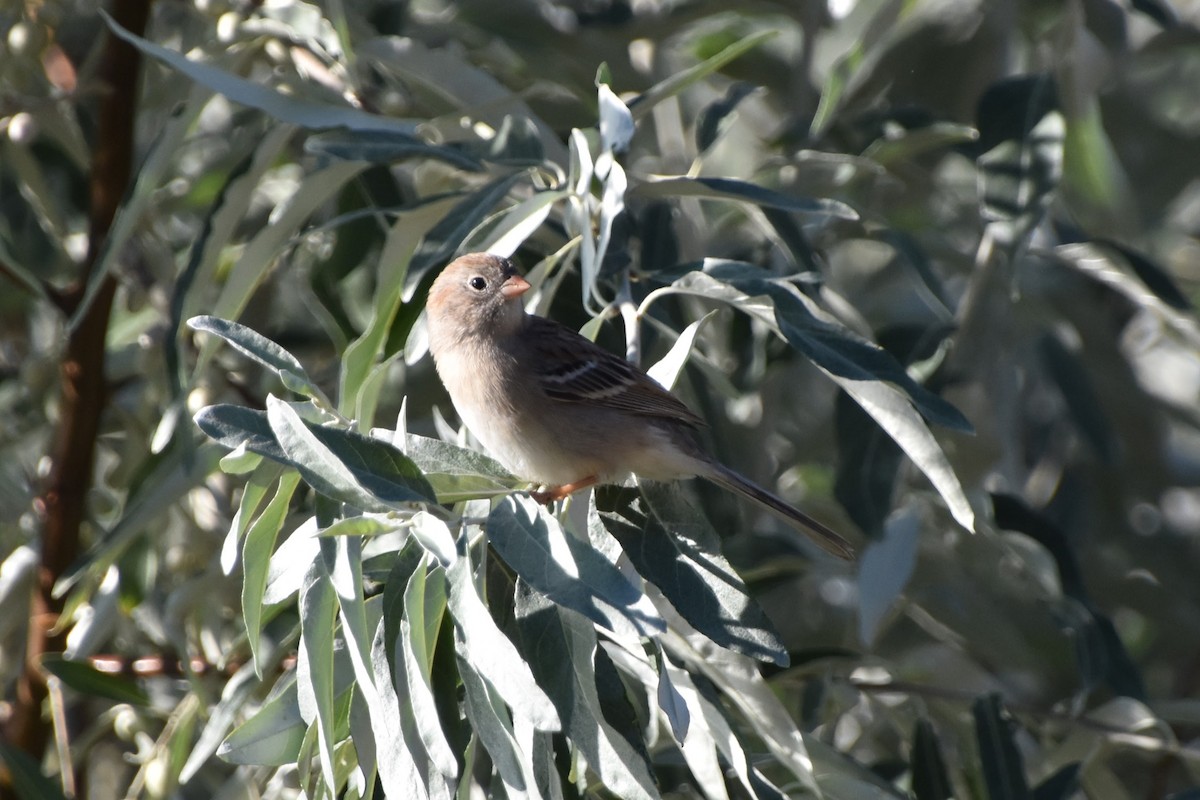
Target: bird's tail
[(829, 541)]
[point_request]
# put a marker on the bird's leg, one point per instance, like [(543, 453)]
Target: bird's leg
[(551, 493)]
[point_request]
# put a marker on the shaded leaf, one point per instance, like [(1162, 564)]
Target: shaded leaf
[(1062, 785), (1096, 635), (286, 108), (1074, 384), (867, 467), (457, 473), (270, 243), (271, 737), (643, 103), (672, 703), (884, 571), (251, 343), (929, 778), (666, 370), (894, 151), (491, 653), (228, 211), (314, 662), (565, 569), (452, 230), (386, 147), (673, 546), (1003, 769), (560, 646), (1017, 180), (87, 680), (26, 776), (375, 465), (256, 560), (491, 722), (1155, 277), (398, 771), (714, 115), (734, 189), (416, 650)]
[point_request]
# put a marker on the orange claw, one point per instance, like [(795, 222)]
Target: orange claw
[(552, 493)]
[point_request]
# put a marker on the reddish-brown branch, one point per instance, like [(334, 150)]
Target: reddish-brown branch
[(63, 501)]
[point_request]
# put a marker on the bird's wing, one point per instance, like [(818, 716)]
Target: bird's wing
[(572, 369)]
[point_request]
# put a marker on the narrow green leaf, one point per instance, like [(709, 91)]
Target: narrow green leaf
[(175, 474), (87, 680), (243, 687), (240, 461), (273, 736), (491, 722), (733, 189), (219, 229), (491, 653), (314, 663), (268, 245), (456, 473), (561, 646), (251, 343), (301, 446), (385, 147), (929, 778), (287, 108), (453, 229), (674, 547), (895, 151), (397, 766), (519, 223), (410, 557), (416, 649), (865, 371), (434, 535), (666, 370), (641, 105), (671, 702), (739, 680), (390, 476), (26, 775), (565, 569), (884, 569), (151, 175), (365, 353), (256, 561), (895, 414), (1003, 770), (359, 526), (263, 477), (709, 739)]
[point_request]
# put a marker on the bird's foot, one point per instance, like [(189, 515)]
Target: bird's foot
[(548, 494)]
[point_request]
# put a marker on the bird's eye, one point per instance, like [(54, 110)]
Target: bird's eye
[(477, 283)]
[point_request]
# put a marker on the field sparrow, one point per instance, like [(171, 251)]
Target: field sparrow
[(556, 409)]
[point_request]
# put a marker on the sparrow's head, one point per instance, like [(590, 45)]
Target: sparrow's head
[(478, 294)]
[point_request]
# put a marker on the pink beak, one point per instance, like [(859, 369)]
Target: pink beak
[(515, 286)]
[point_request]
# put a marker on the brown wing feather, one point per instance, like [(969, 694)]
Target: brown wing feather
[(574, 370)]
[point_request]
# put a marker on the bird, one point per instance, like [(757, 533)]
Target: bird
[(558, 410)]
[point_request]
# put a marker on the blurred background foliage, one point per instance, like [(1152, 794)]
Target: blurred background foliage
[(1025, 178)]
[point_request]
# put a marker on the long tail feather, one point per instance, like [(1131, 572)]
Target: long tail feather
[(829, 541)]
